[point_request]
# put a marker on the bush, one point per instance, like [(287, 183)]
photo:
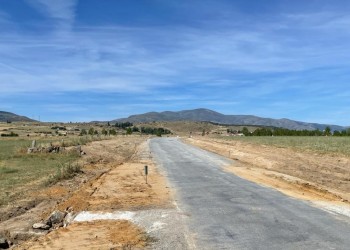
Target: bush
[(123, 125), (9, 135), (59, 128), (155, 131), (112, 132), (83, 132), (64, 172), (104, 132)]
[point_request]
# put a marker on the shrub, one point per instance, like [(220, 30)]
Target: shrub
[(64, 172), (9, 135), (83, 132), (91, 131), (104, 132), (112, 132)]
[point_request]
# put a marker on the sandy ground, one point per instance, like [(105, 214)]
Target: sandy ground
[(123, 187), (120, 185), (101, 234), (304, 175)]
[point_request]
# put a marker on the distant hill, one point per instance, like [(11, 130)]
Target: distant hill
[(7, 116), (213, 116)]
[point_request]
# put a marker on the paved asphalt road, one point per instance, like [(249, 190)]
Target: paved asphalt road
[(227, 212)]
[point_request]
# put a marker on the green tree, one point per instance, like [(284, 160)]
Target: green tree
[(104, 132), (135, 129), (245, 131), (91, 131), (83, 132), (327, 131), (336, 133), (112, 132), (129, 131)]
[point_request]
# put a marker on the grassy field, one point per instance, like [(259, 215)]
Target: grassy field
[(320, 144), (20, 171)]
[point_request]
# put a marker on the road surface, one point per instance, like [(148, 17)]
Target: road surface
[(227, 212)]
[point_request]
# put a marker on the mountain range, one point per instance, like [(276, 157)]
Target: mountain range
[(215, 117), (202, 114), (11, 117)]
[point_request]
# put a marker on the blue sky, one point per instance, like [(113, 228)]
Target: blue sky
[(69, 60)]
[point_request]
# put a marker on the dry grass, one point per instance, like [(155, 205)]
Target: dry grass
[(21, 173), (64, 172), (320, 144)]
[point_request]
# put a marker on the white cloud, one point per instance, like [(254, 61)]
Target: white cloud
[(126, 59)]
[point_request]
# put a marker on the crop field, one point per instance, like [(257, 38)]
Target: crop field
[(319, 144)]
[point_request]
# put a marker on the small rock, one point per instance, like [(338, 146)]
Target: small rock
[(49, 149), (56, 217), (41, 226), (56, 226), (69, 217), (30, 150), (4, 244)]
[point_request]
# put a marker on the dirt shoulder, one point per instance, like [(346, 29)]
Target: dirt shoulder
[(304, 175), (99, 234), (123, 186), (84, 190), (119, 185)]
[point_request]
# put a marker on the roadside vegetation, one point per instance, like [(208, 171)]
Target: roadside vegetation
[(288, 132), (11, 134), (63, 172), (19, 169)]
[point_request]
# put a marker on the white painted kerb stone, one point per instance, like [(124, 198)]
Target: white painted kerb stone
[(91, 216)]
